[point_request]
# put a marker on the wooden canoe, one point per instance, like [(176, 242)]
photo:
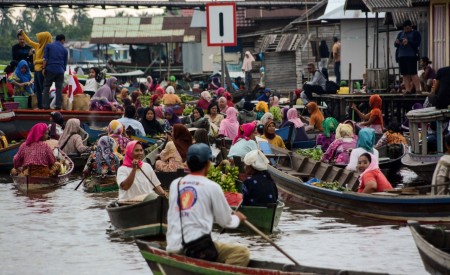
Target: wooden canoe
[(382, 205), (79, 161), (161, 262), (142, 219), (100, 184), (434, 247), (7, 156), (264, 218), (93, 132), (422, 165), (29, 183)]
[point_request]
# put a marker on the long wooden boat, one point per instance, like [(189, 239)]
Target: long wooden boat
[(100, 184), (29, 183), (7, 156), (16, 124), (94, 133), (162, 262), (434, 247), (143, 219), (422, 165), (382, 205), (265, 218), (79, 161)]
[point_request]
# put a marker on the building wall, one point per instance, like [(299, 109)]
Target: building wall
[(439, 30), (280, 68), (208, 53)]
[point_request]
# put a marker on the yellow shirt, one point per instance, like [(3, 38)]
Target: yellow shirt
[(44, 38), (276, 141), (171, 99)]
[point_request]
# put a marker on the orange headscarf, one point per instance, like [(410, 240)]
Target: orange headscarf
[(316, 116), (375, 103)]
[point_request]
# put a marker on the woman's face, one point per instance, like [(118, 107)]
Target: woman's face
[(168, 116), (196, 114), (271, 101), (45, 136), (213, 110), (138, 152), (23, 69), (222, 104), (363, 163), (149, 115), (271, 128), (253, 135), (92, 73)]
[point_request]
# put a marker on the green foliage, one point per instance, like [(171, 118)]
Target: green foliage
[(188, 109), (225, 176), (335, 185), (314, 153)]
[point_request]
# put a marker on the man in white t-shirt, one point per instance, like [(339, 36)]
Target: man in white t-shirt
[(203, 203)]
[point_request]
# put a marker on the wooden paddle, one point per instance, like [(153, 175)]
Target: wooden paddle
[(154, 186), (80, 183)]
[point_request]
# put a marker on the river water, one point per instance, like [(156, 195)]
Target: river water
[(64, 232)]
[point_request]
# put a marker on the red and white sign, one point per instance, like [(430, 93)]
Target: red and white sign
[(221, 24)]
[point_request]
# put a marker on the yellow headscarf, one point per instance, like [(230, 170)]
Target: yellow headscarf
[(262, 107)]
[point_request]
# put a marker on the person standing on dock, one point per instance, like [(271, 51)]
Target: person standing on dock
[(336, 50), (247, 67)]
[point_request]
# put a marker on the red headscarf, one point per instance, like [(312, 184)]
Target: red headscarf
[(375, 103), (36, 133), (245, 130), (229, 98), (154, 98), (160, 91), (128, 161)]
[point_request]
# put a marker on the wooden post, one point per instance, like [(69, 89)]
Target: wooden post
[(168, 61), (350, 83)]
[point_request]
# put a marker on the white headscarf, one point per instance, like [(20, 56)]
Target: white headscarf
[(170, 90), (257, 160), (265, 118), (247, 62)]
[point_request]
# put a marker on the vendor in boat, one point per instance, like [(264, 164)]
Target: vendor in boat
[(265, 96), (198, 119), (128, 121), (201, 136), (103, 99), (365, 144), (354, 129), (274, 101), (339, 150), (316, 117), (299, 126), (170, 160), (229, 126), (70, 141), (103, 161), (151, 126), (223, 106), (170, 98), (244, 142), (204, 101), (136, 99), (202, 203), (271, 136), (117, 132), (392, 136), (22, 80), (182, 139), (56, 125), (213, 115), (171, 117), (259, 189), (229, 99), (135, 177), (247, 114), (261, 108), (34, 154), (124, 95), (371, 178), (328, 136), (441, 177), (374, 119)]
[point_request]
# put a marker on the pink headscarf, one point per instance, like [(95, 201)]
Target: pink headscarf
[(230, 125), (372, 166), (158, 112), (128, 161), (220, 91), (36, 133), (276, 101), (245, 130), (292, 116)]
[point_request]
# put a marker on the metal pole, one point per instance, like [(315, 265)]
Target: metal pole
[(377, 33), (367, 41), (222, 74)]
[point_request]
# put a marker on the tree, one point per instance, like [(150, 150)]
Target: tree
[(6, 22)]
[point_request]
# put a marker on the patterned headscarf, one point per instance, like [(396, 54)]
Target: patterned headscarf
[(366, 139), (105, 151), (36, 133), (329, 126), (116, 131)]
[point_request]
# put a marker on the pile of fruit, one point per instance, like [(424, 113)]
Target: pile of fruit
[(314, 153), (335, 185), (225, 175), (186, 98), (145, 100), (188, 108)]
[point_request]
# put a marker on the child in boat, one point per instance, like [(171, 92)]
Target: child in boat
[(442, 172), (22, 80), (259, 189), (92, 82), (374, 119), (371, 178)]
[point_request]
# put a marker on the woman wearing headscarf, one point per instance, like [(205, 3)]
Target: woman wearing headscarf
[(262, 122), (151, 126), (299, 126), (365, 144), (339, 150), (229, 126), (204, 101), (103, 99), (316, 118), (223, 106), (70, 141), (261, 108), (103, 161), (198, 119), (392, 136), (135, 99), (170, 160), (259, 189), (170, 98), (371, 178), (34, 153), (56, 125), (229, 99), (134, 174), (123, 96), (160, 91), (271, 136), (265, 96), (247, 114), (247, 69), (327, 137), (284, 119), (213, 116), (274, 101), (215, 83), (244, 142), (374, 119), (171, 117), (22, 80), (117, 132), (155, 101), (219, 92), (182, 139), (201, 136), (262, 82)]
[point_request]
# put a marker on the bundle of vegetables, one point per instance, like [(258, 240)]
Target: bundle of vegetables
[(335, 185), (276, 112), (314, 153), (188, 108), (225, 175), (186, 98), (145, 100)]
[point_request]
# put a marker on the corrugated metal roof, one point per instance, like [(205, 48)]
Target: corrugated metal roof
[(399, 17), (394, 5), (263, 14), (137, 30)]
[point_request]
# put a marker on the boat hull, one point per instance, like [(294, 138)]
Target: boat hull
[(144, 219), (431, 243), (264, 218), (100, 184), (422, 165), (7, 157)]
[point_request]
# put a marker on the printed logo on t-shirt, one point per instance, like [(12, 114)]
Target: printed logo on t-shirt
[(188, 197)]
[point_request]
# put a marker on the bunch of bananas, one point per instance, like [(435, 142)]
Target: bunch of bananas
[(225, 175)]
